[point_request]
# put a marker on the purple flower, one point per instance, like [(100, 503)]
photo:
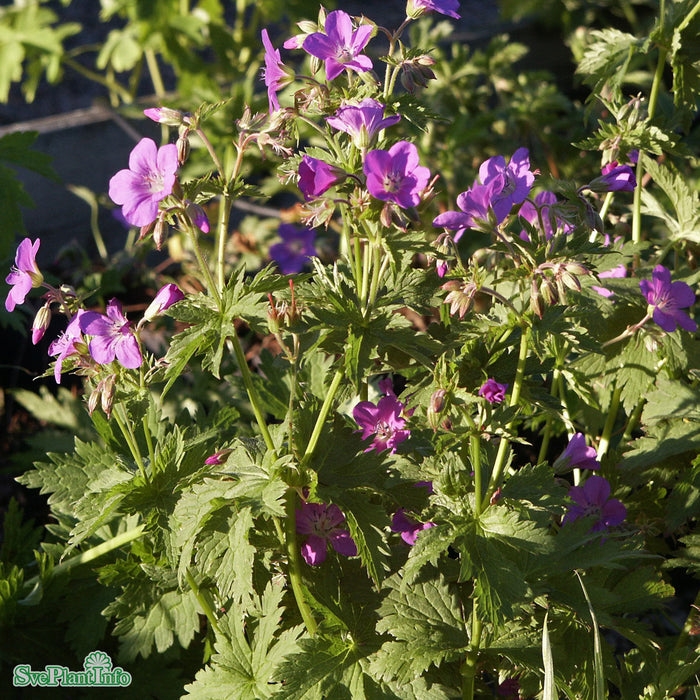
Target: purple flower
[(667, 299), (321, 523), (67, 344), (384, 421), (407, 526), (340, 46), (492, 391), (512, 182), (593, 499), (616, 272), (111, 337), (528, 211), (275, 73), (165, 115), (362, 121), (167, 296), (197, 216), (296, 248), (316, 176), (24, 275), (577, 455), (417, 8), (149, 179), (474, 204), (618, 177), (217, 458), (395, 176)]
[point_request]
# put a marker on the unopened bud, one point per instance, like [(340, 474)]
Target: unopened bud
[(569, 280), (41, 323), (165, 115), (197, 216), (435, 408), (535, 303), (496, 497)]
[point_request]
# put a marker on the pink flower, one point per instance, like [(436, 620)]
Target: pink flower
[(67, 344), (529, 212), (362, 121), (474, 204), (275, 73), (322, 523), (668, 299), (316, 176), (593, 499), (395, 176), (577, 455), (294, 251), (112, 337), (384, 421), (24, 275), (408, 527), (340, 46), (217, 458), (616, 272), (492, 391), (616, 178), (512, 182), (167, 296), (149, 179)]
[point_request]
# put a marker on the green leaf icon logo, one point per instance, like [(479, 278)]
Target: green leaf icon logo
[(97, 659)]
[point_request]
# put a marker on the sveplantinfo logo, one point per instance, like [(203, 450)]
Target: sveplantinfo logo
[(98, 671)]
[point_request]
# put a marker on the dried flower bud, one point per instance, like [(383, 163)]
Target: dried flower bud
[(535, 303), (460, 297), (183, 148), (94, 399), (160, 231), (108, 391), (495, 497), (416, 72)]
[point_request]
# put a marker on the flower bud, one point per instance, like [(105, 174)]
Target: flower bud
[(165, 115), (94, 399), (41, 323), (436, 407), (108, 391), (197, 216), (160, 231), (167, 296), (183, 148)]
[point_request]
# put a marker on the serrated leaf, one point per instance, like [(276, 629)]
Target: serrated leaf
[(248, 653)]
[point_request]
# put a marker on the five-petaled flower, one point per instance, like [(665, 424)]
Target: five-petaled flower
[(68, 343), (593, 500), (577, 455), (395, 176), (112, 337), (275, 73), (316, 177), (294, 251), (340, 46), (667, 299), (408, 527), (149, 179), (492, 391), (24, 275), (417, 8), (322, 523), (384, 421), (362, 121)]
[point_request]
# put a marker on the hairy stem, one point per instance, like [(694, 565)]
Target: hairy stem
[(203, 602), (469, 666), (322, 415), (125, 426), (609, 423), (294, 559)]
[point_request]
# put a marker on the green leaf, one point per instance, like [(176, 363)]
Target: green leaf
[(600, 684), (248, 652), (549, 692), (427, 616)]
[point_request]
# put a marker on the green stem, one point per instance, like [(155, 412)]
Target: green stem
[(653, 99), (125, 426), (149, 443), (294, 559), (546, 436), (377, 271), (609, 423), (475, 456), (92, 553), (252, 393), (203, 266), (633, 420), (111, 85), (154, 72), (322, 415), (500, 462), (470, 661), (203, 602)]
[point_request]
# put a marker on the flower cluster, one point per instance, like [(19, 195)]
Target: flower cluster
[(500, 186)]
